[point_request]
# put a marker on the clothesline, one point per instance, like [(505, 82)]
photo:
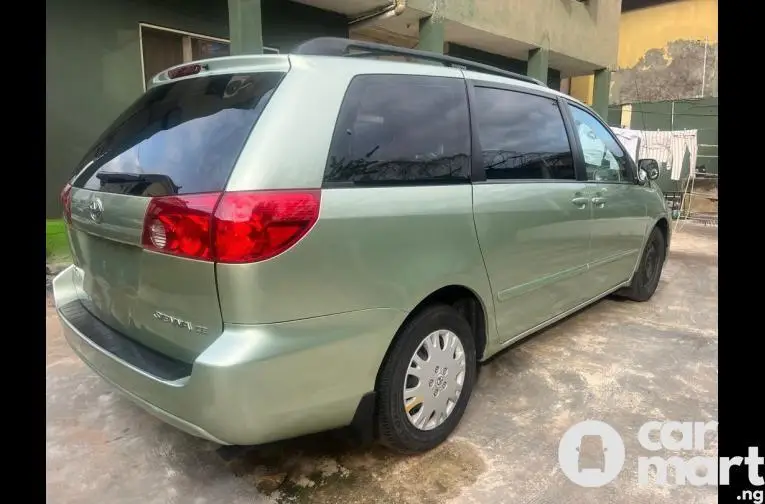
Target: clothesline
[(666, 147)]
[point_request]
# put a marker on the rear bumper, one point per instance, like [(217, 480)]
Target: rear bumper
[(255, 383)]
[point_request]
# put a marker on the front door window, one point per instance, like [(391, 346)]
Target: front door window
[(604, 159)]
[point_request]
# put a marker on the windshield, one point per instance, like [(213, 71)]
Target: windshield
[(179, 138)]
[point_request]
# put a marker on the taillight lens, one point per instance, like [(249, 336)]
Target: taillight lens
[(66, 202), (235, 227), (254, 226), (181, 225)]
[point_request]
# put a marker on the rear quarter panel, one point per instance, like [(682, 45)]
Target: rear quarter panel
[(371, 248), (385, 247)]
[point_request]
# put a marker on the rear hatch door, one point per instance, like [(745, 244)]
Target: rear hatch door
[(180, 138)]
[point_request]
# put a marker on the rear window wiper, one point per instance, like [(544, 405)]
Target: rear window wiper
[(140, 182), (116, 177)]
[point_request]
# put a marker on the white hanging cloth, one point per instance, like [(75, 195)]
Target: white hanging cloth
[(693, 147), (683, 141), (679, 146), (630, 139), (656, 145), (692, 141), (666, 147)]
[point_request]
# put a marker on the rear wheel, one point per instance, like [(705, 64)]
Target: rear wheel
[(647, 276), (426, 382)]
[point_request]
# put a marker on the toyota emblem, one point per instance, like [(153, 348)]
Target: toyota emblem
[(96, 209)]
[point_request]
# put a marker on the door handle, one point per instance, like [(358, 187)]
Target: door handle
[(580, 202), (598, 201)]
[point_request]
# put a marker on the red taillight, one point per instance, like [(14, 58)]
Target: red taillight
[(66, 202), (235, 227), (181, 225), (184, 71), (254, 226)]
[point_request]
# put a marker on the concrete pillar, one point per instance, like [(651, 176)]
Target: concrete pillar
[(600, 91), (565, 85), (244, 27), (537, 64), (626, 119), (431, 35)]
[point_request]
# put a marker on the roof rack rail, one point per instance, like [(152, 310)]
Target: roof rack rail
[(334, 46)]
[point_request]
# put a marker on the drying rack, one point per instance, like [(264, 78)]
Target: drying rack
[(686, 202)]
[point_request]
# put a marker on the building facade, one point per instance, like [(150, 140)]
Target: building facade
[(666, 76), (101, 53), (667, 50)]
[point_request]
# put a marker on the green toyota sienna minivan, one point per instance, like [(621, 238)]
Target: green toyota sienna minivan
[(269, 246)]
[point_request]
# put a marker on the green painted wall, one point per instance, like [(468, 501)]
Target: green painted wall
[(699, 114), (93, 62), (614, 116), (93, 68), (510, 64)]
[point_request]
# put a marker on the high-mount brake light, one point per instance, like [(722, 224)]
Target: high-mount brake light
[(184, 71), (66, 202), (231, 227)]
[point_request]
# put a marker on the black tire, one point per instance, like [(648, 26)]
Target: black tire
[(648, 273), (395, 430)]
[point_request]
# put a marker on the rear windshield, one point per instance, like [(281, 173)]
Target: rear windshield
[(179, 138)]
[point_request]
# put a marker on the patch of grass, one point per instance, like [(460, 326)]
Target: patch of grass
[(56, 241)]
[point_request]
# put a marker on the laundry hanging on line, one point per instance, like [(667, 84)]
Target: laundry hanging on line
[(666, 147), (630, 139), (682, 140)]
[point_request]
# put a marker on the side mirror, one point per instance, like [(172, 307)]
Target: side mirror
[(648, 169)]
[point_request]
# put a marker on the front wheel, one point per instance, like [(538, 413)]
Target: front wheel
[(648, 273), (426, 382)]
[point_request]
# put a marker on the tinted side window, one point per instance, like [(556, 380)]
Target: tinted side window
[(401, 129), (604, 160), (522, 136)]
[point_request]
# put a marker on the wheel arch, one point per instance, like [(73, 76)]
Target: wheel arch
[(662, 223), (466, 301)]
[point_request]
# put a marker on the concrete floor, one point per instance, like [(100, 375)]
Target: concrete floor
[(621, 362)]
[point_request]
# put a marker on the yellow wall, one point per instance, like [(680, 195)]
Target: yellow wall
[(582, 88), (654, 28)]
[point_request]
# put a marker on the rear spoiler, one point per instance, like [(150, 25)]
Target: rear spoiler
[(226, 65)]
